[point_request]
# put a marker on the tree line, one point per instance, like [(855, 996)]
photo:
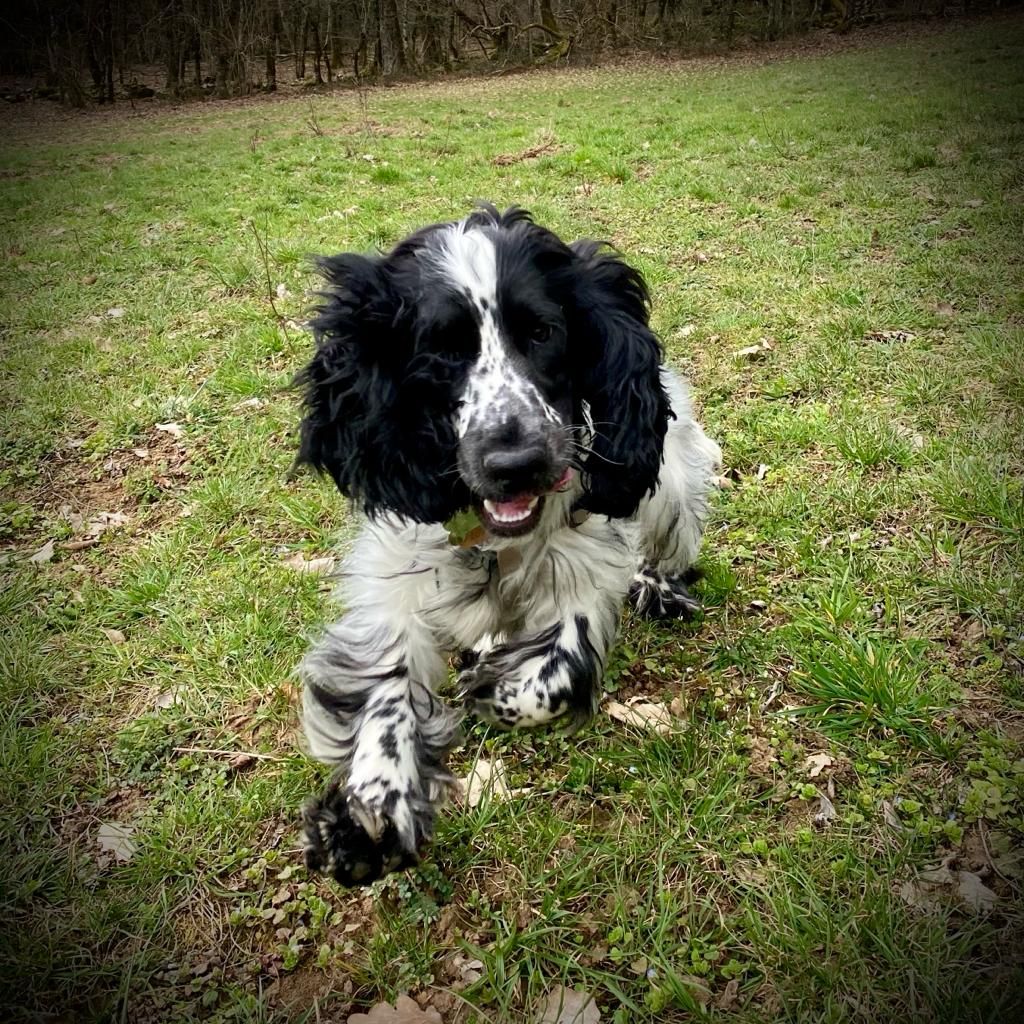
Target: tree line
[(84, 51)]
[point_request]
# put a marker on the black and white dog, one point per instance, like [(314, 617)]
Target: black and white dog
[(495, 402)]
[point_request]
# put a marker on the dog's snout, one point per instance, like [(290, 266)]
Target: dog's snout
[(519, 467)]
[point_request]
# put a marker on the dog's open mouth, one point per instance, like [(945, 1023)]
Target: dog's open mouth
[(512, 517)]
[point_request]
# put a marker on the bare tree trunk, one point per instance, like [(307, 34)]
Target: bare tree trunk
[(300, 50), (317, 49)]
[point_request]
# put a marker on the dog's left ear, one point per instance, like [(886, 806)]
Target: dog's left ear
[(619, 376)]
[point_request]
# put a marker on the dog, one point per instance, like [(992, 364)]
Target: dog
[(495, 402)]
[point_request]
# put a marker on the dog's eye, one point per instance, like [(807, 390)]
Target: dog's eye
[(540, 333)]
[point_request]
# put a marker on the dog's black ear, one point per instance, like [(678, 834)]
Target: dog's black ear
[(618, 362), (378, 413)]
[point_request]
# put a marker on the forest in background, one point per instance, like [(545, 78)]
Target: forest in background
[(101, 51)]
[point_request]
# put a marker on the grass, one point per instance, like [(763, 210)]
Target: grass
[(863, 580)]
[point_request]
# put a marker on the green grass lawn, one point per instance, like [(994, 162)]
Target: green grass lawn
[(864, 591)]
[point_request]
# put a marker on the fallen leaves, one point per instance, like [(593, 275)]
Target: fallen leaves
[(174, 429), (825, 813), (567, 1006), (44, 554), (651, 716), (115, 842), (115, 636), (89, 531), (317, 566), (404, 1011), (486, 780), (816, 764), (752, 352), (925, 892), (898, 335)]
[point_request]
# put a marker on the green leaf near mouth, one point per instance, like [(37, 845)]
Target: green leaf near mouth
[(460, 525)]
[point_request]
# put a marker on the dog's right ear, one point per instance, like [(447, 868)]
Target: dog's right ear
[(378, 414)]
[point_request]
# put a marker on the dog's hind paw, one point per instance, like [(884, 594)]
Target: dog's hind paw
[(353, 843), (658, 595)]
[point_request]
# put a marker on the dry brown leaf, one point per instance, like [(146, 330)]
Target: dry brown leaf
[(168, 698), (816, 764), (924, 892), (115, 636), (898, 335), (486, 779), (698, 989), (826, 811), (642, 714), (44, 554), (317, 566), (116, 840), (974, 893), (730, 995), (405, 1011), (568, 1006), (754, 351), (174, 429), (890, 817)]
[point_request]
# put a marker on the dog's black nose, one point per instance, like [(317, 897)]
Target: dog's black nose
[(518, 469)]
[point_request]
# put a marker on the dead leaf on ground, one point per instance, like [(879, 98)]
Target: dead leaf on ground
[(698, 989), (974, 893), (174, 429), (486, 779), (642, 714), (754, 351), (115, 636), (44, 554), (115, 839), (115, 313), (826, 812), (318, 566), (405, 1011), (890, 817), (816, 764), (925, 892), (568, 1006), (730, 995), (168, 698), (890, 336)]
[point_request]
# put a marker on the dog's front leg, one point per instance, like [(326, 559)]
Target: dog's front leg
[(366, 710), (571, 604)]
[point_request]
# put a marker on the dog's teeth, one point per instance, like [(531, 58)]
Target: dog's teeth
[(509, 517)]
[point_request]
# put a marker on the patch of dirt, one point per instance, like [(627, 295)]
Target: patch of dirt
[(312, 988), (70, 488), (531, 153)]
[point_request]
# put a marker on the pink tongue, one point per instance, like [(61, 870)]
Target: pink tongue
[(515, 505)]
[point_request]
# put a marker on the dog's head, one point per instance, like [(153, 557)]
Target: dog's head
[(480, 364)]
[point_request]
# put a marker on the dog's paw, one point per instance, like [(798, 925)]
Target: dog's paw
[(354, 843), (481, 688), (659, 595)]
